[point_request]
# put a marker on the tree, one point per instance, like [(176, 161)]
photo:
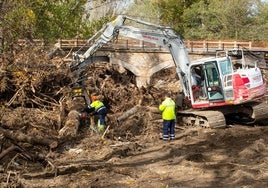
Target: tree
[(43, 19), (58, 19), (234, 19), (16, 21), (136, 10), (89, 28), (259, 30), (96, 9), (237, 20), (171, 12), (200, 19), (194, 20)]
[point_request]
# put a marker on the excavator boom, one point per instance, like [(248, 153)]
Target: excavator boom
[(160, 35)]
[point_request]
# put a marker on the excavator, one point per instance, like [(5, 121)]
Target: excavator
[(214, 89)]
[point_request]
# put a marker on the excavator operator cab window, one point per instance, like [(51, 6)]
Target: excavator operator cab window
[(213, 81), (197, 82), (226, 67)]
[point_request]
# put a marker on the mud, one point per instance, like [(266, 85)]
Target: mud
[(231, 157)]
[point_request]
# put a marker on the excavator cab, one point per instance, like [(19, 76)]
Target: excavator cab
[(228, 81), (206, 82), (217, 86), (213, 81)]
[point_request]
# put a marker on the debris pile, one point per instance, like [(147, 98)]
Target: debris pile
[(35, 103)]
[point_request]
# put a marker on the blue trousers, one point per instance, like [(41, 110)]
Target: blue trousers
[(102, 119), (168, 129), (102, 114)]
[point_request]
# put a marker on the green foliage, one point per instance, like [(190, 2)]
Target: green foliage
[(17, 21), (232, 21), (151, 14), (171, 12), (193, 19), (215, 19), (88, 29), (43, 19), (259, 31), (58, 19)]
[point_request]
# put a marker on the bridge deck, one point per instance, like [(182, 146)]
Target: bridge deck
[(133, 45)]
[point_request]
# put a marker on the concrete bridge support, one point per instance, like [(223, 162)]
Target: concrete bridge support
[(142, 65)]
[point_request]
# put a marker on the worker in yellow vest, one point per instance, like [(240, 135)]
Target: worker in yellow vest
[(100, 109), (167, 108)]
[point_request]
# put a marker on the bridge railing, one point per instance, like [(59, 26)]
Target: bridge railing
[(217, 45), (132, 44)]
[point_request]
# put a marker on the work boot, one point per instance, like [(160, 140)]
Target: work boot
[(101, 128)]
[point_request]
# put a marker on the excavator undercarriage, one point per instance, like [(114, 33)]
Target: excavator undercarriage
[(206, 118), (223, 116)]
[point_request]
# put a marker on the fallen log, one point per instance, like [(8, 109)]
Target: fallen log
[(71, 126), (153, 109), (7, 151), (128, 113), (21, 137), (73, 119), (134, 110)]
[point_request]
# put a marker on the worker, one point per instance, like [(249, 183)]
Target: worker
[(100, 109), (197, 79), (167, 108)]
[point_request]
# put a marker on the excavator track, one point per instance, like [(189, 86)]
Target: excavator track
[(203, 118), (247, 114), (217, 119), (259, 111)]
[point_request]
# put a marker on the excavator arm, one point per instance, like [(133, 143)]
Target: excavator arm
[(107, 34), (160, 35)]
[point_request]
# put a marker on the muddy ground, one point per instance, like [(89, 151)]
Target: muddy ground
[(231, 157), (130, 154)]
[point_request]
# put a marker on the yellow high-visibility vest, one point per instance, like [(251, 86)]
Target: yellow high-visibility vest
[(167, 107)]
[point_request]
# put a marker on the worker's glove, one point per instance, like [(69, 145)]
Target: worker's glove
[(83, 115)]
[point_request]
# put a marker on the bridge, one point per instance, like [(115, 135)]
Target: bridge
[(127, 43), (144, 59)]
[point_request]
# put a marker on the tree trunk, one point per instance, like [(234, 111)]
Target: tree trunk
[(20, 137)]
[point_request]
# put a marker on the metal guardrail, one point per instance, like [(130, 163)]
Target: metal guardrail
[(132, 44)]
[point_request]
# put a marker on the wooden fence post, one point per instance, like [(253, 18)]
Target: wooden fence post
[(220, 45), (59, 41), (235, 45), (76, 42), (250, 45)]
